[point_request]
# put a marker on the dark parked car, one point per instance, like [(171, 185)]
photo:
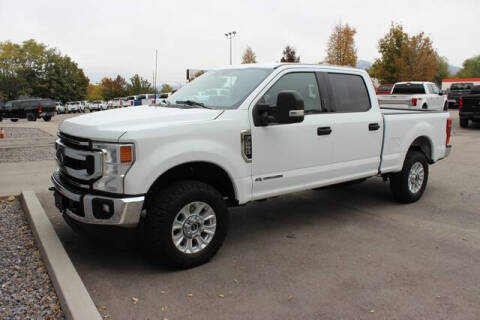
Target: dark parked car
[(456, 91), (469, 107), (32, 109)]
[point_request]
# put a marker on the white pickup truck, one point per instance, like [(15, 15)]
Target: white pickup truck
[(173, 170), (415, 95)]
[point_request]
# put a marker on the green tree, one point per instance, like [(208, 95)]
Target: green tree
[(404, 57), (139, 85), (471, 68), (442, 70), (249, 56), (166, 88), (32, 68), (289, 55), (341, 46)]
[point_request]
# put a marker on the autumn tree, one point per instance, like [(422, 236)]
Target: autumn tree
[(249, 56), (94, 92), (341, 46), (471, 68), (404, 57), (166, 88), (289, 55), (113, 88)]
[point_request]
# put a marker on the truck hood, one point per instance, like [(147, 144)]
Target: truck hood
[(111, 124)]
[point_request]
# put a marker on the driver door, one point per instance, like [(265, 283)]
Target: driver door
[(291, 157)]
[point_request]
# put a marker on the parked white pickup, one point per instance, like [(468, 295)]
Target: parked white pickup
[(415, 95), (274, 129)]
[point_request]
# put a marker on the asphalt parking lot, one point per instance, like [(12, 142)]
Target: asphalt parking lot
[(339, 253)]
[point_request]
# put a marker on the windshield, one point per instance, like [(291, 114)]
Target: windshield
[(220, 89)]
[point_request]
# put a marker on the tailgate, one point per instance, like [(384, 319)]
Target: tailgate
[(395, 100)]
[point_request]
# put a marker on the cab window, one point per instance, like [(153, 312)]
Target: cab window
[(305, 83)]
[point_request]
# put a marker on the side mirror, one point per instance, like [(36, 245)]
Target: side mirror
[(441, 93), (289, 109)]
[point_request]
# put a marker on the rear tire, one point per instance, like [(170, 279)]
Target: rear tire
[(408, 185), (47, 118), (178, 213), (425, 106), (445, 107), (463, 123), (14, 120)]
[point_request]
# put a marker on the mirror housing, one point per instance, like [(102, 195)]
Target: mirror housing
[(289, 109)]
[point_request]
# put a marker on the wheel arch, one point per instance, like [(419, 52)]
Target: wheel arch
[(423, 144), (204, 171)]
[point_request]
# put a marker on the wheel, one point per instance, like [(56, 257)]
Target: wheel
[(463, 123), (424, 106), (14, 120), (186, 224), (445, 107), (47, 118), (409, 184)]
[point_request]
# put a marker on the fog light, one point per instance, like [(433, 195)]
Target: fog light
[(102, 208)]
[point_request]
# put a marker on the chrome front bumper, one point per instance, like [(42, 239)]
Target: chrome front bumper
[(126, 211)]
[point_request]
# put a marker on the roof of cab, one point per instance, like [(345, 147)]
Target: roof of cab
[(286, 66)]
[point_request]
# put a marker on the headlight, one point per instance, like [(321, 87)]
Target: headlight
[(117, 159)]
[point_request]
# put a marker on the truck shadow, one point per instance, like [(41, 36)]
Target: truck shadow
[(120, 251)]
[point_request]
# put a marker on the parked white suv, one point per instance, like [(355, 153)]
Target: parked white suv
[(415, 95), (173, 170), (73, 106)]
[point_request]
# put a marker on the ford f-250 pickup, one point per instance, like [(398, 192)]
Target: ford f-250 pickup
[(173, 170), (415, 95)]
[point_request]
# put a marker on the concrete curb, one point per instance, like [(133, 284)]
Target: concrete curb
[(74, 298)]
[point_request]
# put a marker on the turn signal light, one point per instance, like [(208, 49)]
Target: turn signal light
[(126, 154)]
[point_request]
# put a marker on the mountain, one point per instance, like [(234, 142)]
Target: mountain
[(453, 69), (363, 64)]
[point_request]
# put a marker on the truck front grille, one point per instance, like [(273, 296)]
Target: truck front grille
[(76, 160)]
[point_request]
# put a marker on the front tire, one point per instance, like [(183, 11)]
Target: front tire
[(14, 120), (463, 123), (186, 224), (408, 185)]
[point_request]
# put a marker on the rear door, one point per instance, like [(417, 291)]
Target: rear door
[(357, 131)]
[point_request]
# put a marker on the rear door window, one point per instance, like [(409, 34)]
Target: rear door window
[(348, 92)]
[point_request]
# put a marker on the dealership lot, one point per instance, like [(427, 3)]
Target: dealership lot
[(348, 252)]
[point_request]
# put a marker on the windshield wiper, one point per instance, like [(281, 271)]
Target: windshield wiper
[(192, 103)]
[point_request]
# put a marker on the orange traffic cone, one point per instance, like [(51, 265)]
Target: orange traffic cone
[(2, 134)]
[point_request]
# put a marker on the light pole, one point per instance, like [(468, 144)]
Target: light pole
[(230, 35)]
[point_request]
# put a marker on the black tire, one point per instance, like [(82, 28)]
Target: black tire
[(399, 181), (14, 120), (425, 106), (445, 107), (162, 209), (47, 118), (463, 123)]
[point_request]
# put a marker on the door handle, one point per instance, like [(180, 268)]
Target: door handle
[(324, 131), (373, 126)]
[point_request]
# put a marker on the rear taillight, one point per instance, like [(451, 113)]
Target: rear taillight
[(153, 101), (449, 130), (460, 103), (40, 109), (414, 101)]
